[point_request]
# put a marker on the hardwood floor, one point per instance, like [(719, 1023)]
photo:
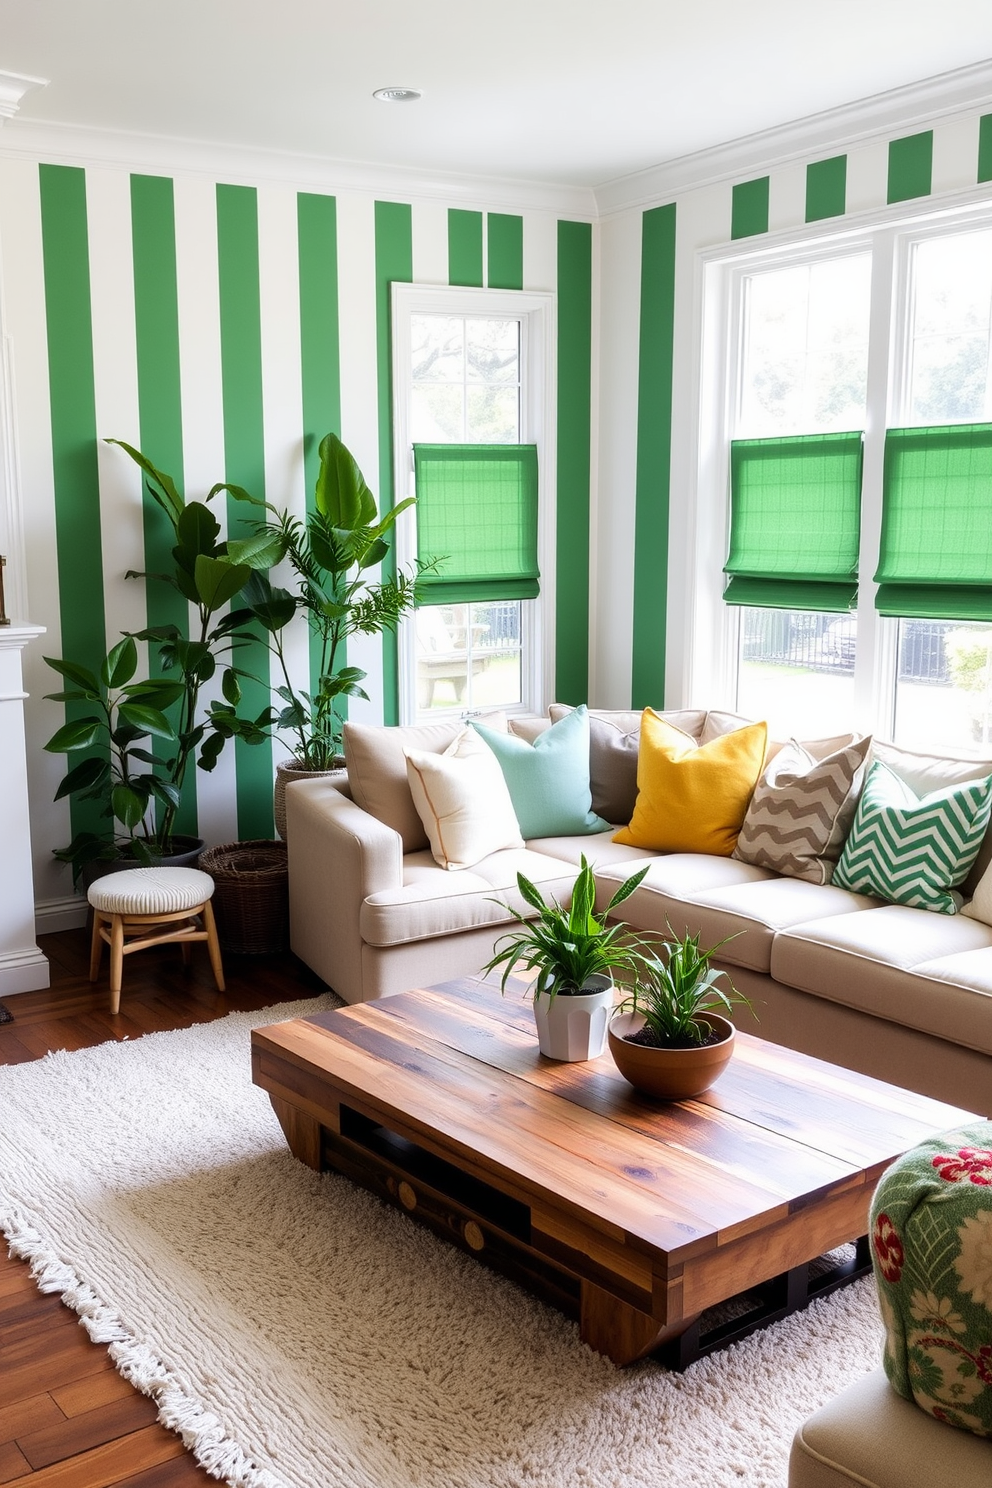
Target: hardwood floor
[(67, 1419)]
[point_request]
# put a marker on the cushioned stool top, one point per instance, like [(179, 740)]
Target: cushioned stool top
[(148, 891)]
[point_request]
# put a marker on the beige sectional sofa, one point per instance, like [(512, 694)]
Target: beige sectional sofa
[(900, 993)]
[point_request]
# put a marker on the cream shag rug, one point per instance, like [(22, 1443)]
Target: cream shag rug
[(299, 1334)]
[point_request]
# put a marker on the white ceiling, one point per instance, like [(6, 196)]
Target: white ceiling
[(576, 92)]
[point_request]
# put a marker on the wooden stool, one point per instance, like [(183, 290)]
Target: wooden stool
[(149, 906)]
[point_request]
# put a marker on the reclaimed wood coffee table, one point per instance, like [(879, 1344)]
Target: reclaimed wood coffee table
[(638, 1217)]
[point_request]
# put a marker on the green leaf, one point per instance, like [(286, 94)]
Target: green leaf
[(530, 893), (373, 554), (129, 805), (79, 734), (264, 550), (341, 494), (164, 791), (239, 493), (160, 486), (87, 775), (627, 888), (198, 529), (121, 663), (231, 687), (148, 720), (81, 675), (217, 580)]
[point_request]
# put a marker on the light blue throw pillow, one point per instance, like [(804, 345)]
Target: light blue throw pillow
[(548, 780)]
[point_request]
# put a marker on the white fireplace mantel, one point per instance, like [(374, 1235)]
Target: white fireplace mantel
[(23, 966)]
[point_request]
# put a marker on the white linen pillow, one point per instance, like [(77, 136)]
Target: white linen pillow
[(462, 799), (980, 907)]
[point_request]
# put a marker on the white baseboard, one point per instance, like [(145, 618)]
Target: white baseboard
[(24, 970), (52, 915)]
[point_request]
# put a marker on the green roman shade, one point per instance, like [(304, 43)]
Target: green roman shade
[(795, 521), (935, 558), (477, 512)]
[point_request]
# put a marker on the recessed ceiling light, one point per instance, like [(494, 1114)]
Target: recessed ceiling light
[(397, 95)]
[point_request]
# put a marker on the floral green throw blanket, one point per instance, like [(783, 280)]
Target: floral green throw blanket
[(931, 1240)]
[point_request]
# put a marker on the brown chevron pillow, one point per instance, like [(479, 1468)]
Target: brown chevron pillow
[(802, 809)]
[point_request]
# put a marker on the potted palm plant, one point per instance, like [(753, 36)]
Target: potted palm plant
[(578, 958), (330, 554), (670, 1038)]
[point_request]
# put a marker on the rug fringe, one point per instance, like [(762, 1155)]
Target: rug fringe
[(202, 1433)]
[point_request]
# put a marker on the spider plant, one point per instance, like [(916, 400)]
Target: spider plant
[(676, 988), (566, 947)]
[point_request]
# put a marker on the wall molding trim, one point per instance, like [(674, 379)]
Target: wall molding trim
[(53, 915), (13, 86), (965, 91), (71, 144)]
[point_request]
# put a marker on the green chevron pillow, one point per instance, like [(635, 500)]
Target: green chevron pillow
[(912, 849)]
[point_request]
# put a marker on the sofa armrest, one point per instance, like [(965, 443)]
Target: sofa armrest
[(338, 855)]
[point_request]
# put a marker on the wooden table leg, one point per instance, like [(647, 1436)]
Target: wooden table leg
[(621, 1332), (301, 1130)]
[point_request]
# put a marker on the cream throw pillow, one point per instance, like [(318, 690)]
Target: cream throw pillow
[(463, 801)]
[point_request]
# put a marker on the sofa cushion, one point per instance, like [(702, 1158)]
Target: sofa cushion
[(930, 772), (911, 849), (869, 1437), (375, 757), (600, 850), (719, 897), (693, 798), (931, 1231), (802, 809), (614, 734), (929, 972), (463, 801), (432, 902), (548, 779)]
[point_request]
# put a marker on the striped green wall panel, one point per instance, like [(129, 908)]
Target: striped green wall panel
[(244, 462), (320, 352), (571, 683), (826, 188), (464, 247), (910, 167), (505, 244), (393, 263), (654, 450), (156, 325), (749, 208), (985, 148), (79, 551)]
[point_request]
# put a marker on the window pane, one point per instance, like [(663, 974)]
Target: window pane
[(492, 350), (438, 348), (468, 656), (797, 671), (436, 414), (492, 415), (950, 310), (805, 348), (944, 686)]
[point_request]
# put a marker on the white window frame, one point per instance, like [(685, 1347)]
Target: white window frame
[(536, 313), (712, 630)]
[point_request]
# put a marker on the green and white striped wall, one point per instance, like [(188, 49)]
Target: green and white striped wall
[(648, 372), (224, 329)]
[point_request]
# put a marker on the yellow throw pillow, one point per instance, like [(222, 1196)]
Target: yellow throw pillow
[(692, 798)]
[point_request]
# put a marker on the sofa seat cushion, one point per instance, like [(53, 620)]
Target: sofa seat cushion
[(435, 902), (869, 1437), (598, 849), (926, 971), (722, 896)]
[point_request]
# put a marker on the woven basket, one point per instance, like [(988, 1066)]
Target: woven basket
[(251, 896)]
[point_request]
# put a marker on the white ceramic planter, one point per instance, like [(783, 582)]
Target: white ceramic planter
[(573, 1027)]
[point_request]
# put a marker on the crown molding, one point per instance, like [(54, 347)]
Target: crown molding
[(71, 144), (13, 86), (965, 90)]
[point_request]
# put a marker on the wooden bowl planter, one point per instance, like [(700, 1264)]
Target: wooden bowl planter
[(668, 1073)]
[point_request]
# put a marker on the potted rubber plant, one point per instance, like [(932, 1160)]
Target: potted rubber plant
[(330, 554), (579, 959), (115, 716), (671, 1037)]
